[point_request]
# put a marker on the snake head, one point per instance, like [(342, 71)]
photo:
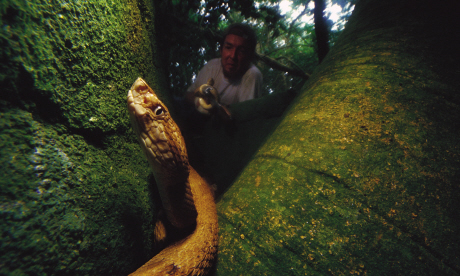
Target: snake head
[(157, 132)]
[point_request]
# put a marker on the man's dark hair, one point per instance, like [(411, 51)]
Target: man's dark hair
[(243, 30)]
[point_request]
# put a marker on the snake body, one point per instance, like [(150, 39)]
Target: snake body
[(186, 197)]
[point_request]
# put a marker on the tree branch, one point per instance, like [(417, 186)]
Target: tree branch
[(281, 67), (292, 62), (297, 18)]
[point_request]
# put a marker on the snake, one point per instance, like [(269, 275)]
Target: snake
[(207, 100), (186, 197)]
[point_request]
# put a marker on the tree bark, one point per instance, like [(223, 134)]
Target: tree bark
[(361, 175), (321, 30)]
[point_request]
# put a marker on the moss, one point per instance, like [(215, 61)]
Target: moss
[(76, 196), (64, 201), (361, 175), (80, 56)]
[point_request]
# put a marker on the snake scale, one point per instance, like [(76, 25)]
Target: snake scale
[(186, 197)]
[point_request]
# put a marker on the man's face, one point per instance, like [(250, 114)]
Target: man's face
[(235, 56)]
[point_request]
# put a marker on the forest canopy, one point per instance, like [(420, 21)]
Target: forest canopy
[(289, 47)]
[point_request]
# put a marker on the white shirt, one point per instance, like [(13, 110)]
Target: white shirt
[(231, 91)]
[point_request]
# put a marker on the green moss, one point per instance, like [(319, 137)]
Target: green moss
[(64, 201), (80, 56), (76, 189), (361, 175)]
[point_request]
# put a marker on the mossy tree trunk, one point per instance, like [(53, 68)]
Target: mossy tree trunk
[(75, 197), (362, 174)]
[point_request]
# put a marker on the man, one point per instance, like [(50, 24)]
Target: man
[(235, 77)]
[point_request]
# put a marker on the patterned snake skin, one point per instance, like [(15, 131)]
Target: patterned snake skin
[(186, 197)]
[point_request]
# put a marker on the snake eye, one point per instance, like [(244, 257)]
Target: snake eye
[(159, 111)]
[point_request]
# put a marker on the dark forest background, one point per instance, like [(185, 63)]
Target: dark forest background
[(287, 52)]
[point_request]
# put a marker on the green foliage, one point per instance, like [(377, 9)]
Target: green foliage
[(290, 44)]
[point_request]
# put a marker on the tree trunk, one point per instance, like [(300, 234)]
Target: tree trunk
[(362, 174), (321, 30), (74, 183)]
